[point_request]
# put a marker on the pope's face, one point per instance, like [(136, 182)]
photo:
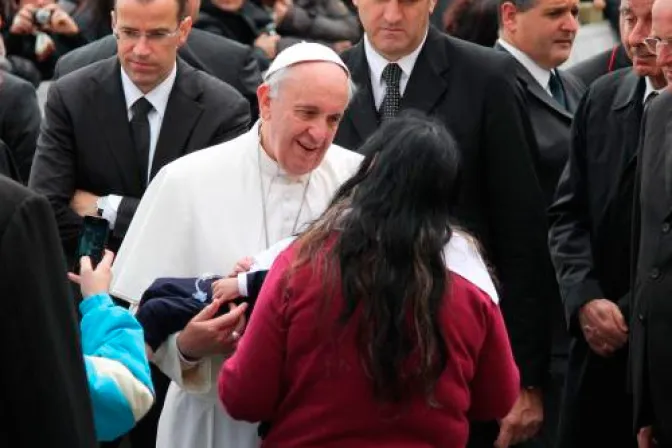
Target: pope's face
[(300, 122)]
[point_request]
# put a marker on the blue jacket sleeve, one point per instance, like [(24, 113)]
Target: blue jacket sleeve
[(116, 366)]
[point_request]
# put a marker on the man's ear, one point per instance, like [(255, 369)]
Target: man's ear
[(508, 14), (264, 99), (114, 19), (185, 29)]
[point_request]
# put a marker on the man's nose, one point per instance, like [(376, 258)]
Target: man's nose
[(570, 24), (141, 48), (392, 12)]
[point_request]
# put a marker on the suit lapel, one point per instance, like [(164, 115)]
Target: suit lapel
[(535, 89), (112, 115), (362, 112), (182, 113), (628, 109), (573, 91), (427, 83)]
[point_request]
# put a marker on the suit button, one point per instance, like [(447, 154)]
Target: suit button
[(640, 317), (666, 227), (655, 273)]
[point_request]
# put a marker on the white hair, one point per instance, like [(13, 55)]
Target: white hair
[(275, 80)]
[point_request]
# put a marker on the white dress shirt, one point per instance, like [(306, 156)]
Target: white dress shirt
[(158, 98), (540, 74), (377, 64), (650, 89)]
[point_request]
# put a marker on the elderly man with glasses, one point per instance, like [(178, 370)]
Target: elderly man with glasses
[(590, 241), (650, 327)]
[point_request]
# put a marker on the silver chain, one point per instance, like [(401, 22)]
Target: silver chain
[(263, 195)]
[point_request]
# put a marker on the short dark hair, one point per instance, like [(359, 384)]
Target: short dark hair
[(181, 7), (521, 6)]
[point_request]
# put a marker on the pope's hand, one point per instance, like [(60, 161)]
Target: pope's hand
[(207, 335)]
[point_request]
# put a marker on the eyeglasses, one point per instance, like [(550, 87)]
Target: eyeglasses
[(157, 36), (655, 44)]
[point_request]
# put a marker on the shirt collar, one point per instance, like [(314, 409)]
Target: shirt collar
[(650, 89), (377, 62), (270, 167), (540, 74), (158, 96)]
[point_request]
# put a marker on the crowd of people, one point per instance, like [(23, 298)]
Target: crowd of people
[(335, 224)]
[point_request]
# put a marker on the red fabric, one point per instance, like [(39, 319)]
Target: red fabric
[(290, 370)]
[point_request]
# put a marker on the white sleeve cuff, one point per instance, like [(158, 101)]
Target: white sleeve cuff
[(110, 206), (242, 284)]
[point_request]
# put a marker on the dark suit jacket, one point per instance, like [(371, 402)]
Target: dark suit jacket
[(45, 398), (551, 124), (468, 88), (86, 143), (218, 56), (650, 329), (601, 64), (20, 118), (590, 241)]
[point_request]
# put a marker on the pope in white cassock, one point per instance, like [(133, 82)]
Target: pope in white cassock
[(211, 208)]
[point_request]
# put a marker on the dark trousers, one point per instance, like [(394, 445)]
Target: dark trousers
[(596, 410)]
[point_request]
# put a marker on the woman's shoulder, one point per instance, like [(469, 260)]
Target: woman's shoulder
[(467, 266)]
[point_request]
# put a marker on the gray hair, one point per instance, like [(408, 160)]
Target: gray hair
[(275, 80)]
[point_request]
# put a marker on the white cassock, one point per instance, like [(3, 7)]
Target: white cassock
[(201, 214)]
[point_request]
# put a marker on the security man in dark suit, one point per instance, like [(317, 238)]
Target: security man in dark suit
[(403, 63), (590, 242), (651, 323), (111, 126), (218, 56), (539, 35)]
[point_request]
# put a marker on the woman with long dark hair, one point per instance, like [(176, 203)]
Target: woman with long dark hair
[(361, 336)]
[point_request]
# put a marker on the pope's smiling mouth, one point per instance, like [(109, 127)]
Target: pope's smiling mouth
[(306, 148)]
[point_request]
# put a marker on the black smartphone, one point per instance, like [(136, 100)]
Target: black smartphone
[(92, 240)]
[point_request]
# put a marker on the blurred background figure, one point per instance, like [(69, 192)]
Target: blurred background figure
[(40, 31), (270, 28), (20, 119), (473, 20), (411, 349)]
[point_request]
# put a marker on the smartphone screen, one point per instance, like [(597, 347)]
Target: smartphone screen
[(92, 240)]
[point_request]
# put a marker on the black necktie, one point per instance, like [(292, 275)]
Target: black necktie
[(648, 99), (141, 135), (390, 106), (555, 86)]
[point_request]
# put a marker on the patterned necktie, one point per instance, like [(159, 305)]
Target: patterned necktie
[(141, 135), (555, 86), (390, 106)]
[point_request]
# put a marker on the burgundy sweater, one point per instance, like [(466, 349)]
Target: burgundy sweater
[(309, 383)]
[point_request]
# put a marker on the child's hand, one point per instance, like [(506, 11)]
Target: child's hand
[(225, 289)]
